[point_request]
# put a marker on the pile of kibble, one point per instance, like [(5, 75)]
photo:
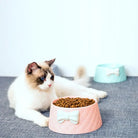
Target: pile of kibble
[(73, 102)]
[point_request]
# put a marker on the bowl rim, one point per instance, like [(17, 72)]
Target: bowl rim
[(110, 65), (75, 107)]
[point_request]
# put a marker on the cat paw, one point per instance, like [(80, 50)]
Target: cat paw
[(42, 122), (96, 98), (101, 94)]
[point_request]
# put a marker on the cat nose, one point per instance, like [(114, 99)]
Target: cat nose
[(49, 85)]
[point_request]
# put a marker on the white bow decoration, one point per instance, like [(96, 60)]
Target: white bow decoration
[(72, 116), (113, 71)]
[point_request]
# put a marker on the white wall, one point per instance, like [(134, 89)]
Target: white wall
[(76, 32)]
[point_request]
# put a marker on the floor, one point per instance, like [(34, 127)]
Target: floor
[(119, 112)]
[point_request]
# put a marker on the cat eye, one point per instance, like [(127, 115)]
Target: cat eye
[(52, 77), (42, 78)]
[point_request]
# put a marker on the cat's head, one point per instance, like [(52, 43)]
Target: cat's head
[(40, 76)]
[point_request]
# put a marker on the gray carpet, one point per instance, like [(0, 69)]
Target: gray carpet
[(119, 113)]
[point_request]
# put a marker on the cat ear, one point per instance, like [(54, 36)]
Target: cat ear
[(31, 67), (50, 62)]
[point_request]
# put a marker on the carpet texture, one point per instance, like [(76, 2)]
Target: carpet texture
[(119, 112)]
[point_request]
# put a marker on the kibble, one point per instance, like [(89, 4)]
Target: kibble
[(73, 102)]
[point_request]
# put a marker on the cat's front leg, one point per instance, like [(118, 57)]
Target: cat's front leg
[(93, 93), (32, 115), (98, 93)]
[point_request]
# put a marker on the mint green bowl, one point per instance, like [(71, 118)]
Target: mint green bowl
[(110, 73)]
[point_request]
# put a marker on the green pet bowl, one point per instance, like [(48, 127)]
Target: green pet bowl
[(110, 73)]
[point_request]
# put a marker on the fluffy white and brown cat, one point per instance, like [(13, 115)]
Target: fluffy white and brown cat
[(34, 90)]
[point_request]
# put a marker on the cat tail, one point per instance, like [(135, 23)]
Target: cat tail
[(81, 76)]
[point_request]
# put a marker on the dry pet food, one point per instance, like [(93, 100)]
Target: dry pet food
[(73, 102)]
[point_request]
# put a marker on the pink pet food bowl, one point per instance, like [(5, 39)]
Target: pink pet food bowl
[(75, 120)]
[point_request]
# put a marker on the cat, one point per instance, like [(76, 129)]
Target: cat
[(35, 89)]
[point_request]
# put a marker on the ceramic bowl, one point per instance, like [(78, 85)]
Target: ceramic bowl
[(110, 73), (74, 120)]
